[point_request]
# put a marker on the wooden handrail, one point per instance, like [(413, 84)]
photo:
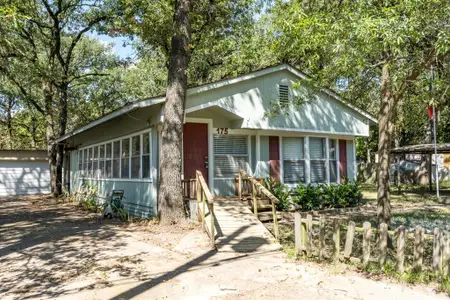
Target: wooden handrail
[(263, 190), (204, 196)]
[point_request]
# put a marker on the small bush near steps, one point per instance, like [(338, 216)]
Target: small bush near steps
[(316, 197)]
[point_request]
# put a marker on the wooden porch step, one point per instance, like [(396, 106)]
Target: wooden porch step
[(267, 216)]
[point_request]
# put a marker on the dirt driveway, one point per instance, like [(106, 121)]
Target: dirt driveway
[(56, 251)]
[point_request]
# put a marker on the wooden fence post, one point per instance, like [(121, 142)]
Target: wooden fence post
[(303, 234), (321, 236), (418, 249), (437, 251), (349, 240), (336, 239), (383, 243), (297, 230), (401, 249), (367, 233), (309, 233), (446, 254)]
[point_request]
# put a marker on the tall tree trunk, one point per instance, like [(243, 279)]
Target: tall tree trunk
[(384, 148), (170, 194)]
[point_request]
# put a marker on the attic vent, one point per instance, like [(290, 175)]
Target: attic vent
[(283, 91)]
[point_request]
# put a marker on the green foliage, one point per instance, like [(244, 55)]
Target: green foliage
[(87, 196), (316, 197), (280, 191)]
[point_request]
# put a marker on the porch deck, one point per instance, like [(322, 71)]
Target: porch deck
[(237, 229)]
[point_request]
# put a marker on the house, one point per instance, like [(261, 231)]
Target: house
[(226, 129), (24, 172)]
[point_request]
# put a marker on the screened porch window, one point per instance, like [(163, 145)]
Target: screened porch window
[(293, 160), (230, 155), (332, 144), (318, 159), (125, 158)]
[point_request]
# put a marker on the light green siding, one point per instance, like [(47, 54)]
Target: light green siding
[(141, 196), (254, 98)]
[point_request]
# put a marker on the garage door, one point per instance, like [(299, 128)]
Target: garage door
[(24, 177)]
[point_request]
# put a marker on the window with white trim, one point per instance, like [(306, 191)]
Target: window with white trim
[(136, 156), (293, 160), (146, 155), (108, 161), (318, 159), (101, 161), (230, 155), (116, 159), (332, 144), (125, 158)]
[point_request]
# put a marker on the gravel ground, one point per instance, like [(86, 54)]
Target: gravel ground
[(57, 251)]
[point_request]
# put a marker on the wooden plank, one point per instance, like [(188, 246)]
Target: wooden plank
[(303, 234), (418, 249), (309, 235), (445, 254), (437, 251), (255, 204), (321, 237), (297, 232), (336, 239), (213, 237), (208, 195), (401, 249), (383, 244), (240, 186), (349, 240), (367, 234)]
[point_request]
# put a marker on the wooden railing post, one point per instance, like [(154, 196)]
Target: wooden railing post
[(445, 254), (203, 210), (367, 233), (240, 186), (303, 234), (211, 213), (383, 244), (255, 204), (275, 222), (418, 249)]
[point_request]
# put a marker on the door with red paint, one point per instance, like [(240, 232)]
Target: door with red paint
[(195, 150), (343, 159)]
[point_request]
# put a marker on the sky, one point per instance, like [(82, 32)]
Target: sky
[(118, 48)]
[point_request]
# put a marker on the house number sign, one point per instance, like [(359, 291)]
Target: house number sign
[(222, 130)]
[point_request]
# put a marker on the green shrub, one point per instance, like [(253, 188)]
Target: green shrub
[(280, 191), (315, 197)]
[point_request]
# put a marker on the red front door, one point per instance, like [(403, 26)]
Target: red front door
[(343, 159), (195, 149)]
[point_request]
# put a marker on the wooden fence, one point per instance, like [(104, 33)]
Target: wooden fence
[(205, 198), (304, 243)]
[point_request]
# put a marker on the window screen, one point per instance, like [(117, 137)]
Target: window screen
[(108, 161), (135, 156), (293, 160), (101, 162), (333, 160), (317, 155), (230, 155), (125, 158), (116, 159), (145, 155)]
